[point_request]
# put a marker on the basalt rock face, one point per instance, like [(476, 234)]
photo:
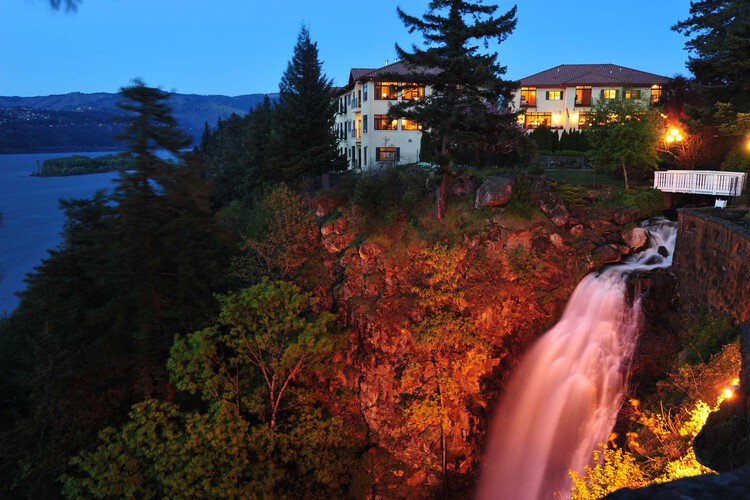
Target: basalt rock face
[(658, 342), (728, 486), (712, 263), (507, 283)]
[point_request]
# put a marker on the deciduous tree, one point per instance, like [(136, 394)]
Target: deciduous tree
[(623, 133)]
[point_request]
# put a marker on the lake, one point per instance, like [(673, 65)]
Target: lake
[(32, 220)]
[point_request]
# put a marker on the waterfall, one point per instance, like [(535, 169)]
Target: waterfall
[(565, 395)]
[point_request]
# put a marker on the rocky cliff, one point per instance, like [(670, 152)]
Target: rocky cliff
[(439, 314)]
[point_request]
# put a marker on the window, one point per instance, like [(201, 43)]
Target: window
[(364, 91), (528, 96), (632, 94), (383, 123), (655, 93), (533, 120), (387, 154), (412, 92), (584, 120), (609, 94), (386, 91), (358, 127), (554, 95), (407, 124), (359, 98), (364, 124), (583, 96)]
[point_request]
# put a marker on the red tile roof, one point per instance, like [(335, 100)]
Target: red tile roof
[(566, 75), (398, 68)]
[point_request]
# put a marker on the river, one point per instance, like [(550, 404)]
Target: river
[(32, 220)]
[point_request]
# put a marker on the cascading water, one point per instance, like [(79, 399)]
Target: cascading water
[(564, 397)]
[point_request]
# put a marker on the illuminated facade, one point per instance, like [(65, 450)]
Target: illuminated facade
[(367, 137), (561, 97)]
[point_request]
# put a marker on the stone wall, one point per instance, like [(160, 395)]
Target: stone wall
[(712, 263)]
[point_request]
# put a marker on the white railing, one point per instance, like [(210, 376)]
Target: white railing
[(700, 182)]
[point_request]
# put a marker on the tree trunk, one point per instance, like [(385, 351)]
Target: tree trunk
[(442, 194), (625, 174), (445, 166)]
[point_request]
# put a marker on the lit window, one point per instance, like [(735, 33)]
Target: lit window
[(583, 96), (609, 94), (387, 154), (554, 95), (655, 93), (383, 123), (412, 92), (528, 96), (534, 120), (386, 91), (632, 94), (407, 124)]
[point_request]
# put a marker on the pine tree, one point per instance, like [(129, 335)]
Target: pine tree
[(466, 105), (719, 46), (304, 142)]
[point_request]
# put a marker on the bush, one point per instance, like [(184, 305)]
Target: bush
[(647, 201), (706, 335)]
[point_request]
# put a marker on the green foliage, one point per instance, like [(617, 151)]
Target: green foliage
[(282, 233), (738, 159), (527, 265), (520, 202), (718, 47), (78, 165), (263, 345), (647, 201), (706, 334), (573, 196), (398, 188), (614, 469), (94, 326), (545, 138), (304, 142), (462, 111), (266, 328), (623, 134)]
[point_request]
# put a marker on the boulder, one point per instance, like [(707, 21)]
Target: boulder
[(606, 254), (626, 216), (551, 203), (496, 191), (635, 238)]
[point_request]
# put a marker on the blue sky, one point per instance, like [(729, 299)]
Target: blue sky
[(235, 47)]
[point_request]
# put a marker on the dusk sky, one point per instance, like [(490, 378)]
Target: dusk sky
[(235, 47)]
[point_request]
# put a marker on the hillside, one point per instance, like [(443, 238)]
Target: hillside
[(82, 122)]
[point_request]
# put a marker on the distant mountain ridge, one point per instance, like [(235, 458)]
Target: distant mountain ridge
[(78, 121)]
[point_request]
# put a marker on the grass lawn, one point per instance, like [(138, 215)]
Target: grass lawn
[(581, 177)]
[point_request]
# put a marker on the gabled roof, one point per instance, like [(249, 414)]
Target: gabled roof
[(398, 68), (566, 75)]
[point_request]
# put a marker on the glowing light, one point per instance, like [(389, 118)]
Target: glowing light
[(674, 135), (728, 393)]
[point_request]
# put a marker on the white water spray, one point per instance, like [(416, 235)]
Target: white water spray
[(564, 397)]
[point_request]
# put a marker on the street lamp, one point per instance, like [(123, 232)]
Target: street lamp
[(674, 135)]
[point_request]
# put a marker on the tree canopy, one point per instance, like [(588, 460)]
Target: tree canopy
[(718, 48), (468, 99), (623, 133), (304, 141)]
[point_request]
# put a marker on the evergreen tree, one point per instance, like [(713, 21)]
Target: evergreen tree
[(96, 321), (720, 43), (466, 105), (304, 142)]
